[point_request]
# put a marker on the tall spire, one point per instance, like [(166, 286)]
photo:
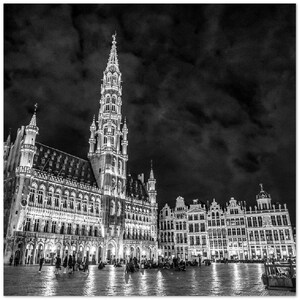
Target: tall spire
[(8, 138), (33, 119), (113, 64), (151, 171)]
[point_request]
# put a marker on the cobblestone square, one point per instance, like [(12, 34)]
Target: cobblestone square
[(214, 280)]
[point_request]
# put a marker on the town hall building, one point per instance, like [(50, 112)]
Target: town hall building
[(57, 203)]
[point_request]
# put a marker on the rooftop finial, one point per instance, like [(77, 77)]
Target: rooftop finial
[(261, 187), (33, 119), (151, 170), (114, 37)]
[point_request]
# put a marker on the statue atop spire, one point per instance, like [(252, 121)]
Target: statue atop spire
[(113, 64), (261, 187)]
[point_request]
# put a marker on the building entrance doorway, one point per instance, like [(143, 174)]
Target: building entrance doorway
[(111, 251)]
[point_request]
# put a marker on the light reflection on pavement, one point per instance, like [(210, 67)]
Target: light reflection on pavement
[(217, 279)]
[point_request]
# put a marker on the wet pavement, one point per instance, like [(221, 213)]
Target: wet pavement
[(214, 280)]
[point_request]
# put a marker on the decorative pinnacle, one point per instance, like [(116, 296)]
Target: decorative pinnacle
[(33, 119), (93, 125), (261, 187), (113, 57), (151, 171), (114, 38)]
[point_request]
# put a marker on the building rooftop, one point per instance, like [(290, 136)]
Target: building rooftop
[(59, 163)]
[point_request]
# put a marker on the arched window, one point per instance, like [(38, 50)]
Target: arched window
[(40, 196), (50, 196), (72, 199), (105, 140), (65, 199), (32, 194), (36, 225), (62, 228), (213, 214), (56, 199), (112, 208), (119, 209), (114, 79)]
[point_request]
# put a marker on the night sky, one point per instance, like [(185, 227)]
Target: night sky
[(208, 90)]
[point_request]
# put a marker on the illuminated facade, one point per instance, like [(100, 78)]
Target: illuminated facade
[(197, 230), (166, 238), (55, 202), (230, 232)]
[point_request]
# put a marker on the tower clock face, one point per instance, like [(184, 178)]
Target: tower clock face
[(23, 202)]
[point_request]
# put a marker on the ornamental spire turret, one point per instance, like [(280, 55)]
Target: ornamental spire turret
[(151, 171), (92, 140), (28, 148), (33, 119), (151, 185), (263, 199)]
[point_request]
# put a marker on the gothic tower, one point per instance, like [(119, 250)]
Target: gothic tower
[(152, 198), (108, 148), (23, 174)]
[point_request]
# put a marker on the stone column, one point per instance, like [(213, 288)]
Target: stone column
[(34, 252)]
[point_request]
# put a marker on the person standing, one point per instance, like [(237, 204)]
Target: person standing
[(86, 265), (41, 263), (11, 260), (70, 264), (65, 263), (57, 264), (73, 262)]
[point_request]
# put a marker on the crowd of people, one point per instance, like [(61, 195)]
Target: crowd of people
[(70, 264)]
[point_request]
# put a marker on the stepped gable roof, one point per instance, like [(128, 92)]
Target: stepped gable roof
[(61, 164), (135, 188)]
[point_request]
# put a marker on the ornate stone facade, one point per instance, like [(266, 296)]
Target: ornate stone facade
[(55, 202), (231, 232)]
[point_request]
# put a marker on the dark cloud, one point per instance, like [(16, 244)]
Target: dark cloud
[(208, 90)]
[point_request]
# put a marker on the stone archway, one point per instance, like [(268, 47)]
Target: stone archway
[(80, 254), (111, 252), (28, 253), (39, 253), (138, 254), (132, 252), (17, 257), (93, 255), (100, 252)]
